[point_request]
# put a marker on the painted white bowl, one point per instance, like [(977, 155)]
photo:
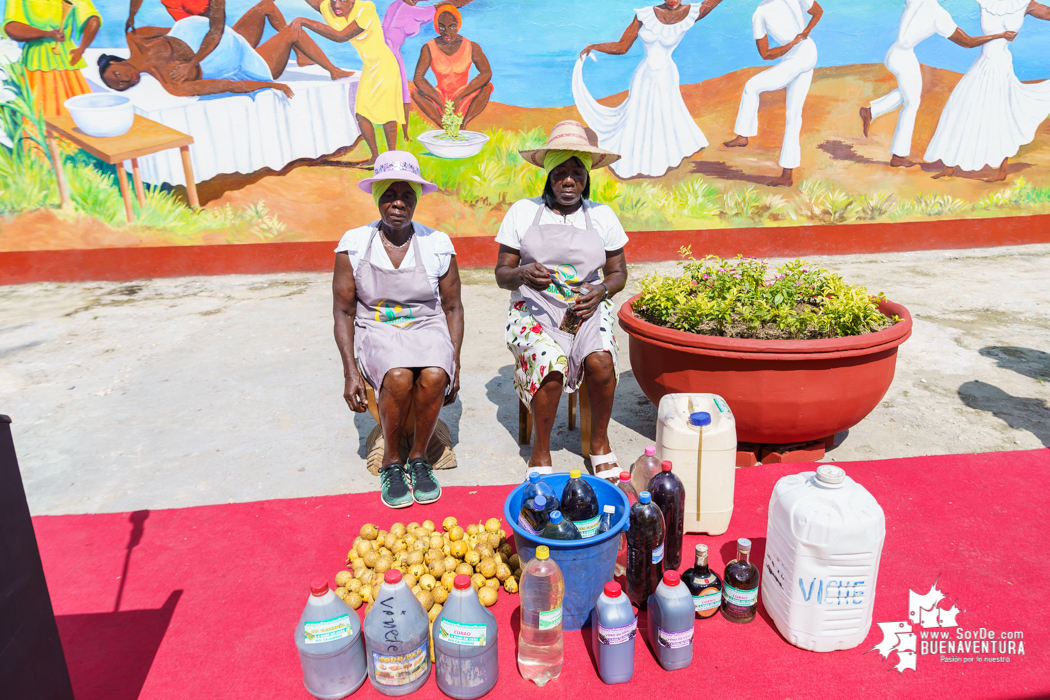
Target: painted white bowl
[(101, 114), (443, 148)]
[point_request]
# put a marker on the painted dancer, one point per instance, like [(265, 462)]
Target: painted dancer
[(921, 20), (785, 21)]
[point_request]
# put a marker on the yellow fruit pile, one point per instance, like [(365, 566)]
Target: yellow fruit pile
[(429, 562)]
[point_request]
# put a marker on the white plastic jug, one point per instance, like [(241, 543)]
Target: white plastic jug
[(824, 542), (704, 457)]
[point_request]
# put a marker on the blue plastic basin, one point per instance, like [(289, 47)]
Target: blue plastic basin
[(587, 565)]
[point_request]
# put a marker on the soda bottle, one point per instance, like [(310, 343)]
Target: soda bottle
[(645, 550), (538, 487), (534, 515), (397, 637), (613, 628), (331, 650), (668, 492), (605, 523), (559, 528), (644, 468), (704, 585), (671, 623), (580, 505), (624, 485), (465, 637), (540, 651), (740, 586)]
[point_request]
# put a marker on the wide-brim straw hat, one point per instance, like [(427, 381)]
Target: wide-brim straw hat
[(397, 165), (570, 136)]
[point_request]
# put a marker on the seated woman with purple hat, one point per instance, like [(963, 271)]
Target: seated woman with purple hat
[(399, 323)]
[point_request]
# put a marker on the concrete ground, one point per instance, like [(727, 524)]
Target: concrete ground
[(181, 392)]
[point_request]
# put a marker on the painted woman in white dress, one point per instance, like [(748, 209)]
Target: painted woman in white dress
[(652, 129), (991, 113)]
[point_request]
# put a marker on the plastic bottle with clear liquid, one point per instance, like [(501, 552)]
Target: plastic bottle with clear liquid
[(605, 523), (331, 649), (644, 468), (669, 493), (534, 515), (397, 638), (579, 504), (465, 637), (538, 487), (540, 644), (614, 626), (671, 623), (645, 549), (559, 528)]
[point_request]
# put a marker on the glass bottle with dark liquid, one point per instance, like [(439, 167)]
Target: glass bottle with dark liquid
[(740, 586), (704, 585)]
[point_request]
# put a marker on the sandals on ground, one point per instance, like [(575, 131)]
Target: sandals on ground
[(612, 473), (543, 471)]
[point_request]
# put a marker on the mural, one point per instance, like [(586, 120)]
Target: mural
[(252, 121)]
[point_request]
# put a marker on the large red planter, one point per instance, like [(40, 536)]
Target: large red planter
[(781, 391)]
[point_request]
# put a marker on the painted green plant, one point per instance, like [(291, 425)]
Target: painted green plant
[(451, 122), (739, 298)]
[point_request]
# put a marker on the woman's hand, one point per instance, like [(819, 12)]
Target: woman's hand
[(354, 393), (1009, 36), (590, 297), (586, 51), (451, 398), (535, 275)]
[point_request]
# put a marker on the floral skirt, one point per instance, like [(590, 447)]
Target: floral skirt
[(536, 354)]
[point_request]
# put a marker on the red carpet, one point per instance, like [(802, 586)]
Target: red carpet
[(210, 595)]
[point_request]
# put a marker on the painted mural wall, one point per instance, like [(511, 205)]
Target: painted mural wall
[(738, 113)]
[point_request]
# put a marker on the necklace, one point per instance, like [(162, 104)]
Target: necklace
[(395, 247), (570, 221)]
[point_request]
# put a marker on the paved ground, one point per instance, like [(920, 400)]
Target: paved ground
[(180, 392)]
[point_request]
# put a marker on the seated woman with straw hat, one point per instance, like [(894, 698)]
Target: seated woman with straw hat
[(399, 323), (561, 256)]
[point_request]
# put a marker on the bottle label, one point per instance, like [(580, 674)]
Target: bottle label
[(739, 601), (658, 554), (722, 406), (524, 525), (549, 619), (674, 640), (401, 669), (708, 600), (462, 633), (588, 528), (326, 630), (617, 635)]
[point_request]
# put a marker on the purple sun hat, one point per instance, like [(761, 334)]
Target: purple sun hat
[(397, 165)]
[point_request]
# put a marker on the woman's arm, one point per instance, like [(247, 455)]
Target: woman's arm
[(1039, 11), (617, 48), (705, 9), (344, 309), (340, 36), (191, 88), (816, 12), (87, 35), (773, 54), (216, 27), (484, 76), (25, 32), (452, 304), (510, 274), (420, 78), (615, 279), (972, 42)]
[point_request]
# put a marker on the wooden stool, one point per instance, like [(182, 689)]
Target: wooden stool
[(525, 420)]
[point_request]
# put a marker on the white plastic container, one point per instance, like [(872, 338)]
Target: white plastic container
[(101, 115), (331, 647), (824, 542), (705, 462)]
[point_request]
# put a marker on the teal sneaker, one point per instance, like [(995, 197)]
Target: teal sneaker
[(394, 484), (425, 488)]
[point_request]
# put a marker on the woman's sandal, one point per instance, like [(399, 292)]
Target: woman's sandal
[(612, 473), (543, 471)]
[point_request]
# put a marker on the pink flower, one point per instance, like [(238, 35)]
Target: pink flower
[(536, 329)]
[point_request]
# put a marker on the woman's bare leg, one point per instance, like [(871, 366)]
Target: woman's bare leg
[(1001, 175), (478, 105), (430, 109), (276, 50), (390, 131), (947, 172), (428, 396), (544, 410), (600, 374), (252, 25), (368, 133), (404, 127), (395, 400)]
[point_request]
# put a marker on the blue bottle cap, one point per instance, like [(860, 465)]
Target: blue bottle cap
[(556, 517), (534, 477), (644, 497), (539, 503), (700, 418)]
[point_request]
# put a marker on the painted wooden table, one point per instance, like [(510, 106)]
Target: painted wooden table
[(144, 138)]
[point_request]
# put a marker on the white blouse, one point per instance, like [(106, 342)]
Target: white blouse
[(434, 246), (522, 213)]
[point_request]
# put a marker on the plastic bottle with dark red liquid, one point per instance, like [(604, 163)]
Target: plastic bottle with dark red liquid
[(579, 504), (645, 550), (668, 493), (740, 586), (704, 585)]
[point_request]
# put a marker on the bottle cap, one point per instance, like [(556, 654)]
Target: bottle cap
[(700, 418), (701, 549), (574, 474), (613, 590), (461, 582), (625, 476), (555, 517), (542, 552), (534, 477), (671, 578), (644, 497), (743, 544), (830, 474), (539, 503), (318, 587), (650, 451), (609, 509), (392, 576), (666, 466)]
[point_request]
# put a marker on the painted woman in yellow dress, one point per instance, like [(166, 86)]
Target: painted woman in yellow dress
[(55, 34), (379, 98)]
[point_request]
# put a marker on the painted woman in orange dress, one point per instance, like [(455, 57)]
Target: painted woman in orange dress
[(450, 56)]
